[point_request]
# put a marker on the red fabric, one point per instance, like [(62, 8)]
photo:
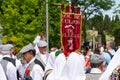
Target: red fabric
[(78, 10), (87, 62), (41, 36), (73, 9), (70, 32), (62, 7), (27, 71), (67, 9)]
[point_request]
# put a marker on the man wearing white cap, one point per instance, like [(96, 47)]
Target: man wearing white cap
[(97, 67), (12, 52), (42, 55), (7, 63), (34, 68), (18, 64)]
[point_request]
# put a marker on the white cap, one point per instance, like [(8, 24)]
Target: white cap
[(11, 46), (95, 58), (41, 44), (5, 49), (27, 48)]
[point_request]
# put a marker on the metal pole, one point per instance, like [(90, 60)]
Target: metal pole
[(47, 32), (93, 38)]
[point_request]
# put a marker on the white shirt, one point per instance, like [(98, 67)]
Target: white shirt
[(14, 57), (42, 56), (73, 68), (2, 74), (58, 67), (82, 59), (20, 68), (11, 70), (1, 56), (95, 70), (37, 72), (51, 61)]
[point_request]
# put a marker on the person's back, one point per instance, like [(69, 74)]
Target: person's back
[(73, 69), (9, 69), (6, 62), (109, 53), (2, 73), (17, 63), (110, 48), (96, 67), (58, 67), (93, 76)]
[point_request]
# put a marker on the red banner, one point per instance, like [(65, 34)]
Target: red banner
[(70, 32)]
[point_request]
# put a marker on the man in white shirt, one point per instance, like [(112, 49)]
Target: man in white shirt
[(58, 67), (51, 60), (18, 64), (97, 67), (42, 55), (9, 68), (73, 68), (34, 68)]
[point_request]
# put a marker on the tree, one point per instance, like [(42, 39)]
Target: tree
[(98, 22), (90, 8), (117, 10), (23, 19), (54, 22), (117, 37), (106, 20), (115, 31)]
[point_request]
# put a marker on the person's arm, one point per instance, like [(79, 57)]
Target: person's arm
[(20, 68)]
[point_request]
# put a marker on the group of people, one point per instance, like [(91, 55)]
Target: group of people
[(31, 67), (98, 62), (38, 64)]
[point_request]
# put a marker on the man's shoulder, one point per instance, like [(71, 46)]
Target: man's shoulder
[(93, 76), (11, 66), (37, 67)]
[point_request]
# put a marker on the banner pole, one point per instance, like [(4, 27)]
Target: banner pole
[(47, 31)]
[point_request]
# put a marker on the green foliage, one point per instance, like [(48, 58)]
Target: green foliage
[(23, 19), (117, 10), (17, 42), (117, 36), (90, 8), (54, 22), (116, 31)]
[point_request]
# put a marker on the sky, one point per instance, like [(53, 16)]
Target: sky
[(110, 12)]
